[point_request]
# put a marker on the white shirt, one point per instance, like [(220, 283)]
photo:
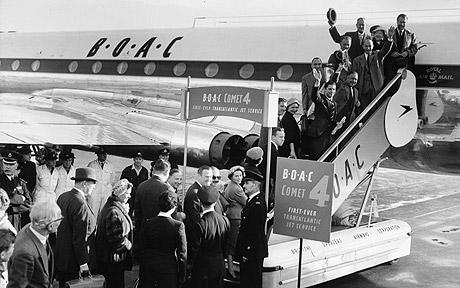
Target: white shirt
[(64, 182), (253, 195), (39, 236), (105, 177), (165, 214), (138, 171), (46, 184)]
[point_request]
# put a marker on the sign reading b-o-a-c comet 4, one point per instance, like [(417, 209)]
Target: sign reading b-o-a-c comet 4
[(247, 103)]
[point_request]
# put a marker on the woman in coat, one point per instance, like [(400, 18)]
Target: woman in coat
[(321, 127), (114, 237), (291, 145), (237, 200)]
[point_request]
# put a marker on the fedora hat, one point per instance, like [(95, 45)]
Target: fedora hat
[(331, 16), (86, 173)]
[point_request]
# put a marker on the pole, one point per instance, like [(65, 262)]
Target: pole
[(299, 272), (186, 116), (269, 153)]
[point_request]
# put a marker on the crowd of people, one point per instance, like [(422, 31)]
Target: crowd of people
[(96, 224), (95, 227)]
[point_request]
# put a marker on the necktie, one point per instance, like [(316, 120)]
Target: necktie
[(102, 165)]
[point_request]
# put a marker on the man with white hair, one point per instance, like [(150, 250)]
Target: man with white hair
[(32, 262)]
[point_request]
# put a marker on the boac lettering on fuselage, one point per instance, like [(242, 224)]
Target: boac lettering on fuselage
[(127, 46)]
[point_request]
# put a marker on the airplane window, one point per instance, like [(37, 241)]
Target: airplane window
[(15, 65), (97, 66), (211, 70), (150, 68), (179, 69), (285, 72), (246, 71), (122, 67), (73, 66), (35, 65)]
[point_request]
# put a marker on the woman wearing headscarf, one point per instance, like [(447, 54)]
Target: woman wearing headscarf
[(114, 237), (290, 147), (236, 198)]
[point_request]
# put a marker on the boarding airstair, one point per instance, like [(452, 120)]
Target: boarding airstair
[(356, 154)]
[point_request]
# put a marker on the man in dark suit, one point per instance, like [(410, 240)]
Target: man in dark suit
[(31, 264), (208, 242), (146, 205), (404, 48), (277, 139), (77, 230), (347, 100), (16, 188), (135, 174), (368, 66), (251, 245), (163, 256), (357, 38), (28, 169), (192, 204)]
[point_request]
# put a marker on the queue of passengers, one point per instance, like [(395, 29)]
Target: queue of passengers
[(174, 246)]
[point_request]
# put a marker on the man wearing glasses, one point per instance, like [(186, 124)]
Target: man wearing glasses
[(77, 228), (32, 262)]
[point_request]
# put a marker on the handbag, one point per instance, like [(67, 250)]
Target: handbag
[(94, 281)]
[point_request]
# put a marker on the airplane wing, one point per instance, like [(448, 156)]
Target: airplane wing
[(35, 119)]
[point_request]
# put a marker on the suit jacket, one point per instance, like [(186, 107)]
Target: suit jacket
[(237, 200), (74, 233), (29, 174), (192, 208), (147, 195), (356, 47), (273, 158), (164, 238), (208, 244), (252, 242), (114, 234), (325, 115), (375, 67), (409, 43), (347, 104), (30, 266)]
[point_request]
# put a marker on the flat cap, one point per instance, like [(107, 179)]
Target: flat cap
[(51, 155), (208, 195), (164, 151), (25, 150), (255, 153), (10, 157), (253, 176), (138, 155), (67, 155)]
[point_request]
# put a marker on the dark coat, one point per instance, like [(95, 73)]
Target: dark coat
[(29, 174), (30, 266), (346, 104), (147, 195), (356, 47), (74, 233), (273, 158), (165, 248), (325, 115), (208, 244), (130, 174), (375, 69), (252, 242), (114, 235), (292, 131), (192, 208)]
